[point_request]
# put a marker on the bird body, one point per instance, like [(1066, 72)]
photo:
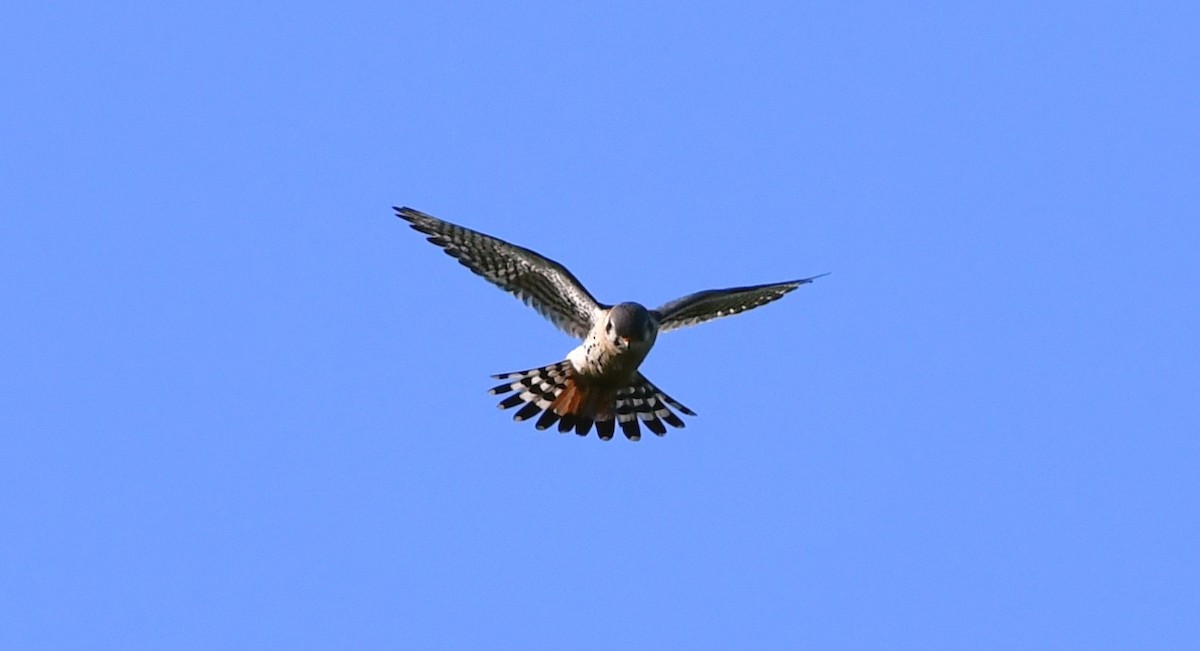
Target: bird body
[(598, 382), (616, 344)]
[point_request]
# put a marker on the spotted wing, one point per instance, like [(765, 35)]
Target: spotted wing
[(715, 303), (540, 282)]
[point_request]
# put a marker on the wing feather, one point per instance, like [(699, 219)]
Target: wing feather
[(716, 303), (540, 282)]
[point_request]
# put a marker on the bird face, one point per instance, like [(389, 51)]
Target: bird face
[(628, 323)]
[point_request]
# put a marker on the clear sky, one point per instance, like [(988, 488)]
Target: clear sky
[(243, 406)]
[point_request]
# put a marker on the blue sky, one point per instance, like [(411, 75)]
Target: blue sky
[(243, 406)]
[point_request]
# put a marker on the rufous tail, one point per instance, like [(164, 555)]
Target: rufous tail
[(560, 395)]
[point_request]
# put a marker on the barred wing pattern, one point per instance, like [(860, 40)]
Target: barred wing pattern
[(540, 282), (716, 303)]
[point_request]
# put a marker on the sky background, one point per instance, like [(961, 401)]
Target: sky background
[(243, 406)]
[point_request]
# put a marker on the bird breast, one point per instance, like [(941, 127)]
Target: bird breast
[(600, 361)]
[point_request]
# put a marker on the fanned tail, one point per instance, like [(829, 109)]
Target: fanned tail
[(560, 395), (642, 401)]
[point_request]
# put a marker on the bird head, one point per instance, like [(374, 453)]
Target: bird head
[(628, 323)]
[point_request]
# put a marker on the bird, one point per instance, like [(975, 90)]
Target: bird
[(598, 383)]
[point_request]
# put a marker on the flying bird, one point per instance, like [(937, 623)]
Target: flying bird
[(598, 383)]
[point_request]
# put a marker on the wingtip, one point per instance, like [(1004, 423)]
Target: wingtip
[(805, 281), (410, 215)]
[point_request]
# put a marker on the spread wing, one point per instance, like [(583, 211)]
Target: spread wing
[(540, 282), (715, 303)]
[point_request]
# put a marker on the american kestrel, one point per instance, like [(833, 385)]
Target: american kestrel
[(598, 383)]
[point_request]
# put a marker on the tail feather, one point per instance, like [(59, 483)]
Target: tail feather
[(548, 418), (530, 410), (605, 429), (561, 397), (658, 393), (566, 422), (583, 426), (642, 401)]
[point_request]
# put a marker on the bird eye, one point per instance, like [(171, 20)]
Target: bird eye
[(608, 327)]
